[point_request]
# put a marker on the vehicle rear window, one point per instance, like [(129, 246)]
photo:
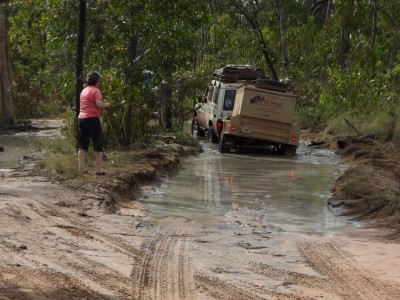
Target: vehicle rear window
[(229, 99)]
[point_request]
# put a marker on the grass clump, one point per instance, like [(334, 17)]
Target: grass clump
[(59, 159)]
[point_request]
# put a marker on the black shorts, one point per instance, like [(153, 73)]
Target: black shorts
[(90, 128)]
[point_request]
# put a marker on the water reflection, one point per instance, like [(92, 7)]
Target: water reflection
[(287, 192)]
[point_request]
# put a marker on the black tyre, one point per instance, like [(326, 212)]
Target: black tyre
[(212, 136), (196, 130), (221, 146)]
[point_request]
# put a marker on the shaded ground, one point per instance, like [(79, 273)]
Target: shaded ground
[(85, 239)]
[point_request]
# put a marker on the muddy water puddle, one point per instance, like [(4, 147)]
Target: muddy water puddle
[(288, 192), (18, 145), (15, 147)]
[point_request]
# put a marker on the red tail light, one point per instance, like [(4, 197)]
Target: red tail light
[(219, 124), (294, 138), (233, 127)]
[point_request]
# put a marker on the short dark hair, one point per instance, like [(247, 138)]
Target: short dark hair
[(92, 77)]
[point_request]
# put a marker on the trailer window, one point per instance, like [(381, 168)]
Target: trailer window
[(229, 99)]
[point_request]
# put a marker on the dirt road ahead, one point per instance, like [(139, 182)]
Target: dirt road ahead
[(57, 242)]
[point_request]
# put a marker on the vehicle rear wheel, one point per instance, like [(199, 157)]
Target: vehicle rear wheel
[(212, 135), (222, 146), (196, 130)]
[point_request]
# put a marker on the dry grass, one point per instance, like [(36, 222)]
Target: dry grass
[(370, 188), (60, 161)]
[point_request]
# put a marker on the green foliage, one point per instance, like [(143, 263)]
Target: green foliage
[(69, 130), (311, 117), (339, 62)]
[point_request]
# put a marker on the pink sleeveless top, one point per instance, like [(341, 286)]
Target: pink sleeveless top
[(88, 98)]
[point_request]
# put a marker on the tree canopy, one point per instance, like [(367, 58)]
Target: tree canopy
[(158, 55)]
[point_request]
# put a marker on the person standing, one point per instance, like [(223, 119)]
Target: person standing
[(89, 126)]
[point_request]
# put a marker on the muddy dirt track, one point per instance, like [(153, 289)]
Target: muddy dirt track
[(72, 241), (57, 242)]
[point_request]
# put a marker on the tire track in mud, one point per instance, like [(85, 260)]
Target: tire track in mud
[(78, 267), (164, 271), (292, 278), (78, 229), (164, 265), (87, 271), (140, 271), (101, 275), (124, 287), (29, 279), (288, 277), (340, 276), (158, 279), (185, 281), (222, 290), (237, 289), (351, 282)]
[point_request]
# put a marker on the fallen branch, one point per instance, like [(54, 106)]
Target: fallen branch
[(352, 126)]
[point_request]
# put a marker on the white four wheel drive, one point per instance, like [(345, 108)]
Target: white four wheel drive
[(219, 98), (242, 107)]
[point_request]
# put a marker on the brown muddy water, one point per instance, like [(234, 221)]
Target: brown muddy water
[(21, 144), (290, 193), (15, 148)]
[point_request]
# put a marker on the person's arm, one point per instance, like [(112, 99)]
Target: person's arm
[(100, 103)]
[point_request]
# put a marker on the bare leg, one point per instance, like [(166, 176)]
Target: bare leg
[(82, 157), (99, 161)]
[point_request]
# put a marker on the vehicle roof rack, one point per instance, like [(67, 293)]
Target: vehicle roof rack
[(285, 86), (234, 73)]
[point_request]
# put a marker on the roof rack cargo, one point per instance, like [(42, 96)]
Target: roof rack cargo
[(233, 73), (272, 85)]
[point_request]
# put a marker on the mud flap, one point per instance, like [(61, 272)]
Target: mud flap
[(289, 150)]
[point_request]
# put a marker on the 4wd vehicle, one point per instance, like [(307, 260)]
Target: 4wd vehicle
[(219, 99), (262, 115)]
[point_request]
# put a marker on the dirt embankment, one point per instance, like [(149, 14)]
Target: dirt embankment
[(370, 188)]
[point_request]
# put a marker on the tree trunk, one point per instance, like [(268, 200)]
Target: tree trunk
[(251, 17), (204, 41), (328, 10), (166, 121), (373, 34), (267, 57), (215, 34), (6, 102), (374, 25), (79, 57), (282, 31), (254, 23), (343, 41), (132, 49), (181, 98)]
